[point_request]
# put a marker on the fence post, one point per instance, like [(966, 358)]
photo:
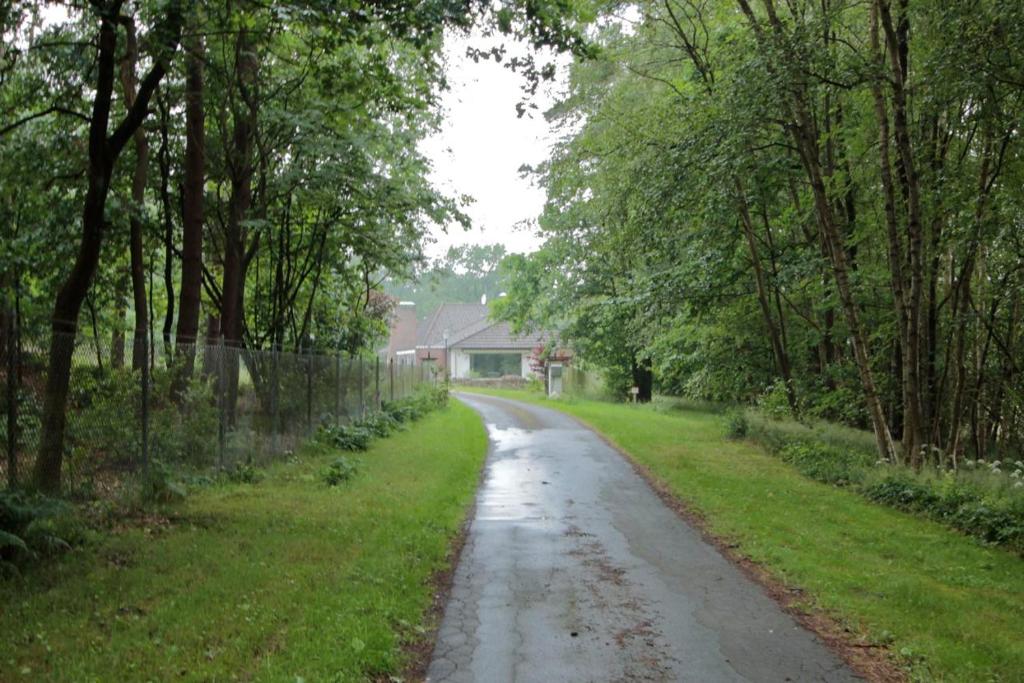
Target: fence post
[(12, 399), (309, 392), (275, 360), (337, 388), (391, 379), (145, 402), (221, 404), (362, 405), (376, 389)]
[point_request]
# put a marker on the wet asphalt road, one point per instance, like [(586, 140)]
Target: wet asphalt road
[(574, 570)]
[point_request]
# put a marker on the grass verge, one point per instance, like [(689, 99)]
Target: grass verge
[(287, 579), (947, 607)]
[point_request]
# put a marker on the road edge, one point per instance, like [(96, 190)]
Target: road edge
[(419, 651)]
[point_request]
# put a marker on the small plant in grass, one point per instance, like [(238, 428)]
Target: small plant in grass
[(353, 437), (380, 424), (33, 526), (403, 411), (242, 473), (981, 499), (970, 505), (341, 470), (736, 425), (825, 463), (774, 401), (158, 484)]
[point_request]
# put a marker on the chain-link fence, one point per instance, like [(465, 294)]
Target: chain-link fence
[(190, 407)]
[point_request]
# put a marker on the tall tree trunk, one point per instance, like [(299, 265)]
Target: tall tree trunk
[(189, 304), (242, 171), (778, 347), (962, 302), (897, 49), (138, 267), (103, 153), (643, 380), (909, 419), (804, 132), (164, 156)]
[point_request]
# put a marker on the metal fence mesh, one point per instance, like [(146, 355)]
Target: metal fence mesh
[(193, 406)]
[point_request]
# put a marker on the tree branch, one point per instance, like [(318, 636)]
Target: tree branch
[(55, 109)]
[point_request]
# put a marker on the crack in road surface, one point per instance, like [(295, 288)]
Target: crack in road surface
[(574, 570)]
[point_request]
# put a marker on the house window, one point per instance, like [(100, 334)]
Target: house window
[(495, 364)]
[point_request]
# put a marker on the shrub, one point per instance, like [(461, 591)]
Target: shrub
[(976, 500), (777, 434), (33, 525), (774, 401), (242, 473), (736, 425), (841, 404), (380, 424), (403, 411), (183, 430), (899, 489), (158, 484), (340, 470), (393, 414), (825, 463), (103, 416), (354, 437), (953, 501)]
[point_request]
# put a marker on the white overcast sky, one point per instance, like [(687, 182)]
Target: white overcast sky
[(481, 146)]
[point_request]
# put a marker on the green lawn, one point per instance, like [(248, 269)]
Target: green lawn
[(283, 580), (953, 608)]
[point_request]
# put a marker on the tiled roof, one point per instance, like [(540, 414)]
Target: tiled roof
[(498, 336), (455, 318)]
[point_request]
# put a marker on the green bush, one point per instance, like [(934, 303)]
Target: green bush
[(380, 424), (952, 500), (774, 401), (159, 484), (340, 470), (354, 437), (242, 473), (393, 414), (33, 525), (184, 430), (103, 424), (737, 425), (403, 411), (899, 489), (841, 404), (826, 463), (777, 434), (979, 499)]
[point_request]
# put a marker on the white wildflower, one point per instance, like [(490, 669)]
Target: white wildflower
[(1018, 485), (1016, 474)]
